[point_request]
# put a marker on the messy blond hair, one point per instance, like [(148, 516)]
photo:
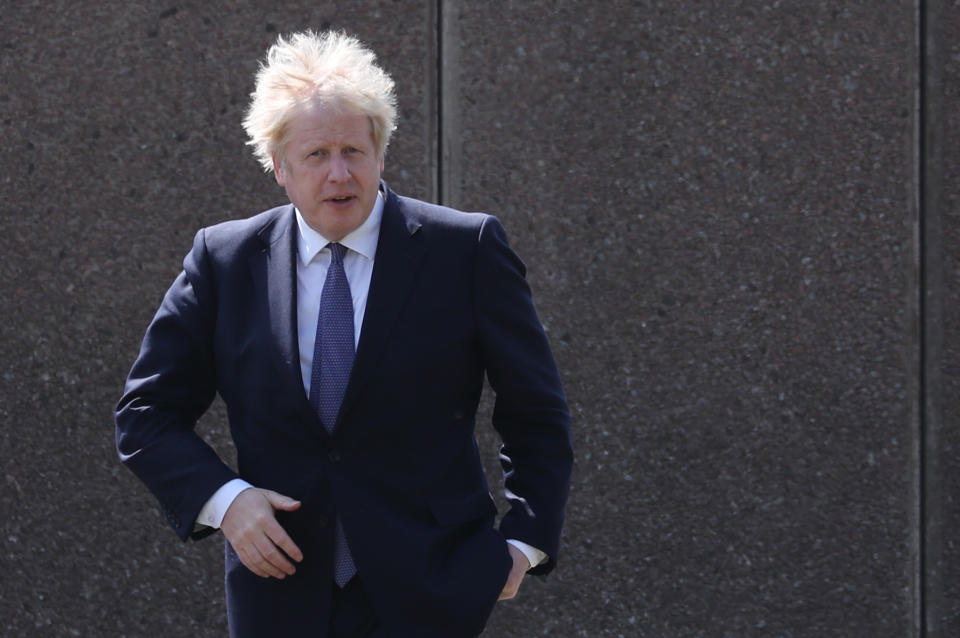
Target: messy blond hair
[(329, 67)]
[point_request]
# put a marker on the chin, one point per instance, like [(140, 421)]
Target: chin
[(340, 229)]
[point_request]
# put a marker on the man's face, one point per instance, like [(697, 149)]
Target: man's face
[(330, 168)]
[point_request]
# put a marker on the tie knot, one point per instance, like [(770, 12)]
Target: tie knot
[(338, 251)]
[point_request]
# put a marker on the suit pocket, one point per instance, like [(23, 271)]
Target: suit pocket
[(453, 511), (469, 562)]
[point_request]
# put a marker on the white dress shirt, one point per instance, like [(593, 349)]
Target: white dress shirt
[(313, 261)]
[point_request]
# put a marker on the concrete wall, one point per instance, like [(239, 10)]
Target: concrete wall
[(737, 218), (940, 257)]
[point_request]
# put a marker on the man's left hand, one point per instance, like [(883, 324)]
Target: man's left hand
[(517, 572)]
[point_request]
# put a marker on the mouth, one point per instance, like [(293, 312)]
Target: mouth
[(341, 199)]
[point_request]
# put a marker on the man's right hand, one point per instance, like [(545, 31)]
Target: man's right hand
[(257, 537)]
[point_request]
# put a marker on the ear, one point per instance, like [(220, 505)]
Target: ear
[(279, 171), (381, 163)]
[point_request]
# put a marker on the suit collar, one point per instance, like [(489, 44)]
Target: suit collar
[(400, 252), (363, 240), (275, 277)]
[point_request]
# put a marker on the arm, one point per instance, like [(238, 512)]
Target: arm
[(171, 384), (530, 412)]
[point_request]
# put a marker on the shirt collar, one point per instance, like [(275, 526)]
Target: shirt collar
[(363, 240)]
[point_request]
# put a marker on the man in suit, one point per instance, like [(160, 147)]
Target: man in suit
[(348, 334)]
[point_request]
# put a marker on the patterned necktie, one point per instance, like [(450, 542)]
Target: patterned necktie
[(333, 350), (332, 361)]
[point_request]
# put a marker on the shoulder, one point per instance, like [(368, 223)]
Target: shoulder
[(239, 236), (441, 220), (240, 230), (230, 244), (476, 236)]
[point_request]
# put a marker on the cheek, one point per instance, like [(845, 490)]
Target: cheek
[(372, 173), (308, 180)]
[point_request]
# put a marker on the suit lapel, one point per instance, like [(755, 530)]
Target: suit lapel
[(400, 250), (275, 273)]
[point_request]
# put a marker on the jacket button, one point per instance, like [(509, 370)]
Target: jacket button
[(322, 520), (333, 456)]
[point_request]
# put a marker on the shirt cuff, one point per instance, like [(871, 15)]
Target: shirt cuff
[(211, 514), (534, 555)]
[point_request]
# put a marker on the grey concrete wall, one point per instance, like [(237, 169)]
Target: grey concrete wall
[(737, 218), (941, 259), (717, 202)]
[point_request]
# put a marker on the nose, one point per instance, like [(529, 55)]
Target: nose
[(339, 171)]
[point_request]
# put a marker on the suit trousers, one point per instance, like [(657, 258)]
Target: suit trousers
[(352, 614)]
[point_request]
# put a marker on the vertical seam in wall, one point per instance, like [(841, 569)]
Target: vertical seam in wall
[(431, 100), (438, 176), (914, 325), (931, 314), (918, 297), (448, 70)]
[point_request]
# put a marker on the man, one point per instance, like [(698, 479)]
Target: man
[(348, 334)]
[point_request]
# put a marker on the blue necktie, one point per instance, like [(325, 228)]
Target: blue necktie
[(332, 361)]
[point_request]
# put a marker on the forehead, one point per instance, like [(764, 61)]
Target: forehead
[(328, 123)]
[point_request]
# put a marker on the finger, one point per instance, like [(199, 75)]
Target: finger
[(251, 554), (260, 566), (517, 572), (281, 502), (279, 537), (511, 586), (265, 570), (274, 561), (253, 561)]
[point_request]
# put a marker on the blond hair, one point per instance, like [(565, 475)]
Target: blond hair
[(329, 67)]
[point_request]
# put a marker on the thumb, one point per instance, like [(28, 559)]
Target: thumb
[(280, 502)]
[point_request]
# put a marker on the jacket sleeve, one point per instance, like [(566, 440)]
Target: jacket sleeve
[(171, 384), (530, 411)]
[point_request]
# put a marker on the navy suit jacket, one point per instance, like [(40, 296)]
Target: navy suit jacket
[(448, 303)]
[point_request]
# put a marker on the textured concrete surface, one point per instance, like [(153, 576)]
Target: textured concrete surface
[(714, 200), (716, 204), (943, 352)]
